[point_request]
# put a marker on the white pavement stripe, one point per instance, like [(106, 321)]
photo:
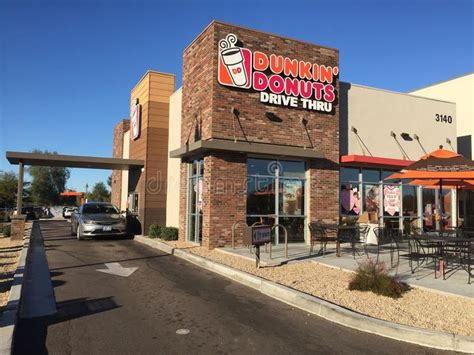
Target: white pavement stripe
[(117, 269)]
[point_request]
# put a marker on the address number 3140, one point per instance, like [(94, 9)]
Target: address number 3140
[(443, 118)]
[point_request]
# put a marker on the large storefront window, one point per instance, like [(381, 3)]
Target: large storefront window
[(391, 204), (275, 195), (195, 202)]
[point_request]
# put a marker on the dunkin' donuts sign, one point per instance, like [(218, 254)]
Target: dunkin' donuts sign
[(280, 80)]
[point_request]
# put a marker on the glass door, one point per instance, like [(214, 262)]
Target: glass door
[(195, 201), (275, 195)]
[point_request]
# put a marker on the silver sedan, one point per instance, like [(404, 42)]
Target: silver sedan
[(98, 218)]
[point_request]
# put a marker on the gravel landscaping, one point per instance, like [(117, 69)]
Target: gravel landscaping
[(418, 307), (9, 255)]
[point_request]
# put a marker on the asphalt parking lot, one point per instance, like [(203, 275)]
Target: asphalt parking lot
[(169, 306)]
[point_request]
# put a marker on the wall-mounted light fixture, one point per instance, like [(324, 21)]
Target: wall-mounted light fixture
[(421, 145), (449, 142), (404, 154), (360, 141), (273, 117)]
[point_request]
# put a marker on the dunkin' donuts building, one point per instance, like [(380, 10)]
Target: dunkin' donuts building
[(262, 130)]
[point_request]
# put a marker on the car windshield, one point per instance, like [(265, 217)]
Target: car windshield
[(99, 208)]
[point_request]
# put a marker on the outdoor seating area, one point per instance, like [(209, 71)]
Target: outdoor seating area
[(440, 261)]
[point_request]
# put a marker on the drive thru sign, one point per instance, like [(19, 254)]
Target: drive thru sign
[(261, 235)]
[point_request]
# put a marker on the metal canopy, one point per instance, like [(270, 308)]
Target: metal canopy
[(72, 161), (245, 147)]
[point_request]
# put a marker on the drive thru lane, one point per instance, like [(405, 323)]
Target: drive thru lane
[(102, 313)]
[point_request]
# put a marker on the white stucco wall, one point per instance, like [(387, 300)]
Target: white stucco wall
[(461, 91), (375, 113), (174, 142)]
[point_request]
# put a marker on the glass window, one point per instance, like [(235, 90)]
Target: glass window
[(291, 200), (261, 167), (350, 199), (294, 227), (349, 174), (369, 175), (195, 201), (391, 200), (372, 198), (260, 195), (275, 194), (292, 169), (429, 208)]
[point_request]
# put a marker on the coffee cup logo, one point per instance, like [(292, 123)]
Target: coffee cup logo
[(234, 63)]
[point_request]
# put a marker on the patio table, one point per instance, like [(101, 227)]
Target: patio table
[(344, 233), (445, 244)]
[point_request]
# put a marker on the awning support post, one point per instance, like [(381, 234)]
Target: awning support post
[(19, 196)]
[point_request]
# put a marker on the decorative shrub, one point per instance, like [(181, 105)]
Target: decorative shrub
[(155, 231), (372, 276), (6, 230), (169, 233)]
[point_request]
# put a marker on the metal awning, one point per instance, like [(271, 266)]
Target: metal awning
[(202, 146), (72, 161)]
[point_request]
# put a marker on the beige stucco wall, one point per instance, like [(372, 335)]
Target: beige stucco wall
[(461, 91), (174, 142), (375, 113), (125, 155)]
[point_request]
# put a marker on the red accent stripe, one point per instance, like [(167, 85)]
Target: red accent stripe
[(362, 159)]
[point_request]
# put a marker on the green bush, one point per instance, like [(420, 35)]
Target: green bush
[(6, 230), (155, 231), (169, 233), (372, 276)]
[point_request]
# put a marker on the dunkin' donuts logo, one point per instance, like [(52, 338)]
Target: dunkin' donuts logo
[(280, 80)]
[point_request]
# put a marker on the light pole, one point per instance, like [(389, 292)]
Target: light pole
[(87, 186)]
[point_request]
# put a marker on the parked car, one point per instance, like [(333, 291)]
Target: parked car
[(98, 218), (69, 211), (29, 212)]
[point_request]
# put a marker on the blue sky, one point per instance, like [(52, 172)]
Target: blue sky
[(67, 67)]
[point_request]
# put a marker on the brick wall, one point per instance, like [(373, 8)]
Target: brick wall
[(117, 152), (209, 103)]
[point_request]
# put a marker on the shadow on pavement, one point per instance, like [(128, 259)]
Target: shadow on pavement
[(30, 335), (108, 261)]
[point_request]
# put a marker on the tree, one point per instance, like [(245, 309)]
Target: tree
[(47, 182), (99, 193), (109, 181), (8, 189)]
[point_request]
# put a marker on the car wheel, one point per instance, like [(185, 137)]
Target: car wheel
[(78, 232)]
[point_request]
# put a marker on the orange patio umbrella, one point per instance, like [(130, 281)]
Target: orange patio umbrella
[(438, 169)]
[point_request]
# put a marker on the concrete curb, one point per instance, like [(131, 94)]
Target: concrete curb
[(324, 309), (9, 317)]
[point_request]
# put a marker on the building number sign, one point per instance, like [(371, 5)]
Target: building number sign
[(443, 118)]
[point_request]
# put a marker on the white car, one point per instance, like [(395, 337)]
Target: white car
[(98, 218), (68, 211)]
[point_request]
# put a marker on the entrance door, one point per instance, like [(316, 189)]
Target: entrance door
[(275, 195), (194, 218)]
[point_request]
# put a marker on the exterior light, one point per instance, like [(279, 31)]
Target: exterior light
[(418, 140), (272, 117), (404, 154), (406, 137), (361, 143)]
